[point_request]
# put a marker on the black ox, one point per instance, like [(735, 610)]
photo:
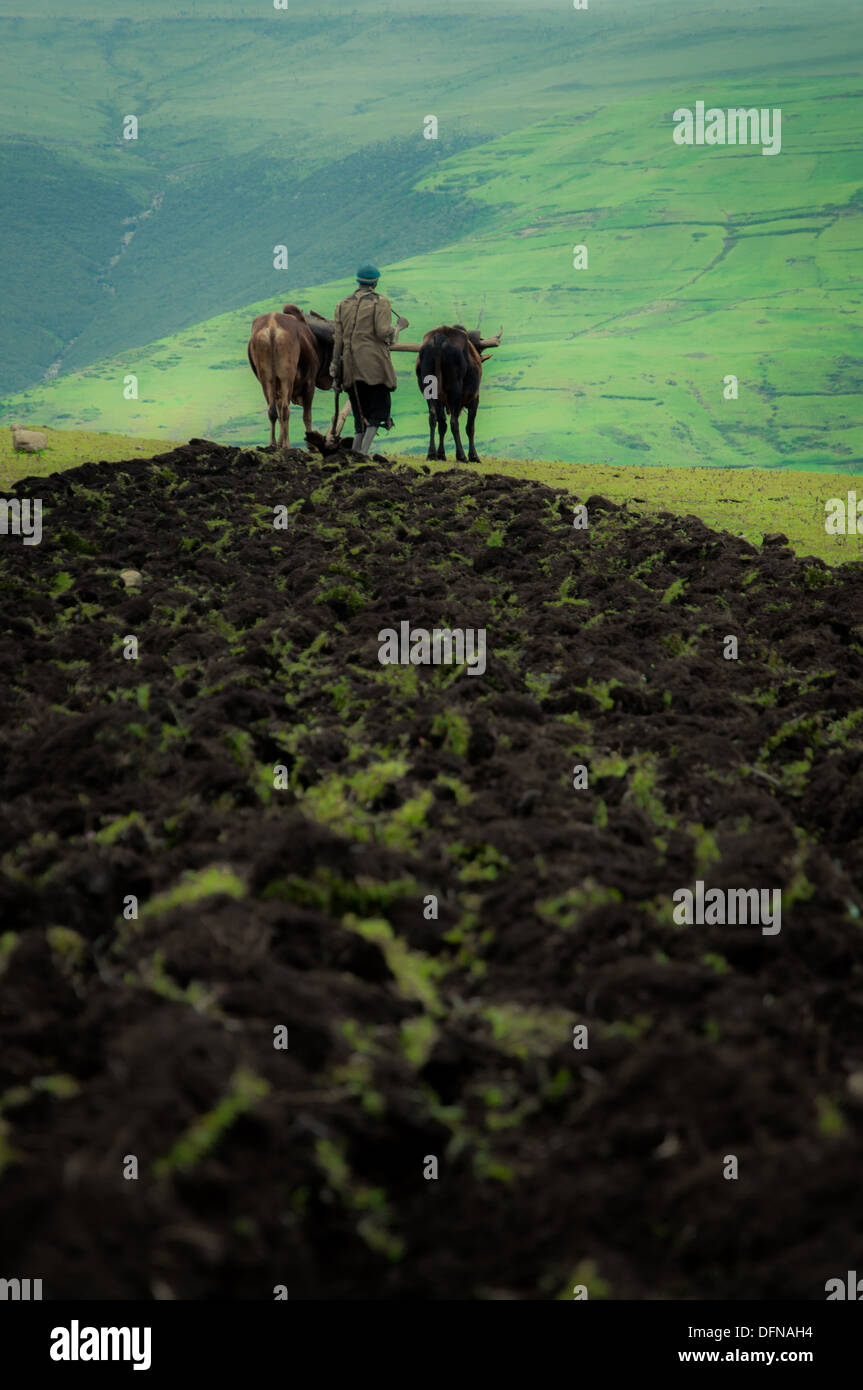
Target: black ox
[(449, 374)]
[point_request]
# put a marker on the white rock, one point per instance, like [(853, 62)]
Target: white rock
[(28, 441)]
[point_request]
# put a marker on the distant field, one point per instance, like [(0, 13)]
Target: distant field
[(703, 263), (253, 131), (622, 362), (746, 502)]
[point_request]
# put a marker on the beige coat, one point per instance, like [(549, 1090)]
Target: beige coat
[(364, 327)]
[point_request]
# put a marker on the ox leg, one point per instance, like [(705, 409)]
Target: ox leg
[(472, 454), (285, 425), (307, 410), (461, 456), (273, 415), (432, 453), (441, 429)]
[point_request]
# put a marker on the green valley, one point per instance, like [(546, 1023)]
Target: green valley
[(555, 132)]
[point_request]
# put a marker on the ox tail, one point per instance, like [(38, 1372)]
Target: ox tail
[(452, 374), (429, 364), (273, 412)]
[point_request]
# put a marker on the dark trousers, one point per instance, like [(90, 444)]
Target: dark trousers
[(373, 402)]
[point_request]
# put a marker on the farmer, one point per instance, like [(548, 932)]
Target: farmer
[(361, 359)]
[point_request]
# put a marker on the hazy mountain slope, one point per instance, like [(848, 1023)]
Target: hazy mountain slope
[(555, 131), (52, 277), (256, 128), (748, 267)]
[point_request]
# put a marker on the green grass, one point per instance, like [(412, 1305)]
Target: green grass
[(555, 130), (206, 1132), (69, 448)]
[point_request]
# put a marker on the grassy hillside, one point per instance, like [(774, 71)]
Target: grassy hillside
[(69, 449), (555, 130), (256, 128), (728, 271)]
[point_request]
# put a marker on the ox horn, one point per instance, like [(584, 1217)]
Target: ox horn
[(492, 342)]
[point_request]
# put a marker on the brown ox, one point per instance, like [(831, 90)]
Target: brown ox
[(290, 358)]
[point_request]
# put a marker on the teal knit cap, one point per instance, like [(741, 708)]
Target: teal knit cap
[(367, 274)]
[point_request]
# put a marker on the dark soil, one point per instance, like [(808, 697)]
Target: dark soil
[(409, 1038)]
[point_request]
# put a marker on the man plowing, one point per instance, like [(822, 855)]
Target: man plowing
[(361, 360)]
